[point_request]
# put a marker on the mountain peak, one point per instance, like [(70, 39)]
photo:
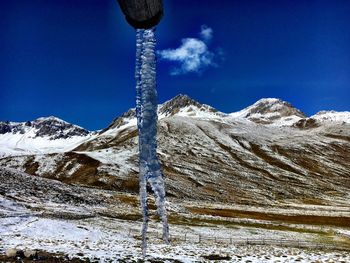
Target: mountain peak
[(50, 127), (180, 105), (270, 110), (184, 103), (269, 105), (173, 105), (49, 118), (269, 100), (332, 116)]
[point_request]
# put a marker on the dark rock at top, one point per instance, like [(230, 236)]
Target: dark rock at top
[(4, 128), (142, 13)]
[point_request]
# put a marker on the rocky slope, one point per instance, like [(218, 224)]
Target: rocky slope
[(268, 153)]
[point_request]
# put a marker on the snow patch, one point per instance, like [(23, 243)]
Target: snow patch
[(332, 116)]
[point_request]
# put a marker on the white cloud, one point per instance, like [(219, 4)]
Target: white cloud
[(193, 55), (206, 33)]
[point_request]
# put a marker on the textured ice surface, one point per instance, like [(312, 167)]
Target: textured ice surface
[(146, 113)]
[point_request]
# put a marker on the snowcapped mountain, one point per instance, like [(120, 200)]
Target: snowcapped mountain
[(209, 155), (270, 111), (50, 127), (43, 135), (332, 116), (180, 105), (323, 118)]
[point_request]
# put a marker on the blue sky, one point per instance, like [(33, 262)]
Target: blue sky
[(75, 59)]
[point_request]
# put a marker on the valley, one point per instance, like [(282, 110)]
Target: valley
[(266, 184)]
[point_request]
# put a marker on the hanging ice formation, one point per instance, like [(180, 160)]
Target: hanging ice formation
[(146, 113)]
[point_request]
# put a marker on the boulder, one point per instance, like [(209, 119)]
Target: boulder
[(11, 252), (28, 253)]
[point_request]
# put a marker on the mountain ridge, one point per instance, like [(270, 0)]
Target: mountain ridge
[(51, 134), (181, 105), (211, 157)]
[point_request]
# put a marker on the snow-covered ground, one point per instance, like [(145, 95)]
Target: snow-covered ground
[(332, 116), (19, 144), (91, 223), (106, 239)]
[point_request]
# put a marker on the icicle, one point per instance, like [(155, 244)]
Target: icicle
[(142, 164), (139, 40), (146, 112)]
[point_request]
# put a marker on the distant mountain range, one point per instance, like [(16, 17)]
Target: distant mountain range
[(42, 135), (269, 152)]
